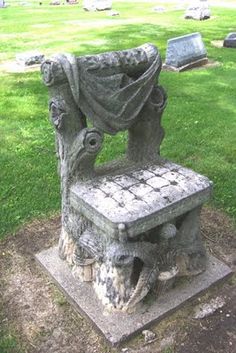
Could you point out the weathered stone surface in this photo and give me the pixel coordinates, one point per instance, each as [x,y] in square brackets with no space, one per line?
[2,3]
[185,50]
[55,3]
[159,191]
[30,58]
[149,336]
[206,309]
[132,225]
[230,40]
[159,9]
[117,326]
[198,10]
[72,2]
[113,13]
[97,5]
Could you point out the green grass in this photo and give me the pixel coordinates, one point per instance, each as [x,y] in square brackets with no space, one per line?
[9,343]
[200,119]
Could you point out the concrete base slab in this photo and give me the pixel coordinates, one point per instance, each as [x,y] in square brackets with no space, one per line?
[197,63]
[117,327]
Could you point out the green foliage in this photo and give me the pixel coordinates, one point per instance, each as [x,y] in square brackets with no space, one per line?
[9,344]
[200,119]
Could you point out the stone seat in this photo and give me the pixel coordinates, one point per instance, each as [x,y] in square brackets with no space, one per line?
[140,199]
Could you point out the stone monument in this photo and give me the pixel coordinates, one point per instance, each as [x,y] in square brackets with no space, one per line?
[131,227]
[30,58]
[230,40]
[198,10]
[185,52]
[97,5]
[2,4]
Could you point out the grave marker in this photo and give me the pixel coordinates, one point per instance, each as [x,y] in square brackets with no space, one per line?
[2,4]
[30,58]
[185,52]
[230,40]
[97,5]
[198,10]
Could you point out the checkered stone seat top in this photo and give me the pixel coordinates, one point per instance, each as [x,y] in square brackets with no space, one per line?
[155,193]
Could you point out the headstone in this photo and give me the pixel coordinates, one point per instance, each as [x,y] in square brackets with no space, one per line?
[131,226]
[97,5]
[159,9]
[185,52]
[55,3]
[198,10]
[102,5]
[89,5]
[112,13]
[2,4]
[30,58]
[72,2]
[230,40]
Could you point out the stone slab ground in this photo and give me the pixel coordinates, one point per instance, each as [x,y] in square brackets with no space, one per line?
[41,319]
[118,327]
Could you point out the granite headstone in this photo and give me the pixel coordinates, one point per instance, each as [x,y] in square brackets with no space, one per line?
[198,10]
[2,3]
[30,58]
[72,2]
[55,3]
[97,5]
[113,13]
[185,51]
[230,40]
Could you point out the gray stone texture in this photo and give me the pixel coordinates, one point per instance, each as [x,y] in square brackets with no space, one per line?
[30,58]
[142,198]
[185,50]
[230,40]
[113,13]
[117,326]
[55,3]
[132,225]
[97,5]
[198,10]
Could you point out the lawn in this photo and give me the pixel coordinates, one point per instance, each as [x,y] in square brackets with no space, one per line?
[200,119]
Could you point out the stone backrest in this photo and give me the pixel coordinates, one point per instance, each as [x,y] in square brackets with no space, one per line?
[115,91]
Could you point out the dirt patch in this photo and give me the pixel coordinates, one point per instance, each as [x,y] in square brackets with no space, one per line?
[44,322]
[219,234]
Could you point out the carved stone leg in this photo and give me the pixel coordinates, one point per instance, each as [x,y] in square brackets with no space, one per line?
[126,274]
[191,254]
[112,284]
[67,247]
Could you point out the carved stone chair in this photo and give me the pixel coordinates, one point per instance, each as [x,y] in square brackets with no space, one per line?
[131,225]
